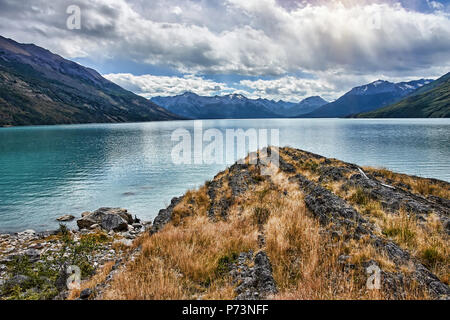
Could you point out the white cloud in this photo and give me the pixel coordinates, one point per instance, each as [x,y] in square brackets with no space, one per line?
[286,88]
[289,88]
[151,86]
[435,5]
[177,10]
[252,37]
[338,44]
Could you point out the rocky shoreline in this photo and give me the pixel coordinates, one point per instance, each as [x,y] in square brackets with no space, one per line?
[104,236]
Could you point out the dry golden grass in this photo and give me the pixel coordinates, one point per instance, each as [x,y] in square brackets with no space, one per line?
[150,279]
[98,278]
[401,227]
[304,231]
[307,168]
[305,259]
[184,260]
[423,186]
[428,242]
[195,202]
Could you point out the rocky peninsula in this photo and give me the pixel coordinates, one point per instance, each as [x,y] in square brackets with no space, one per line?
[314,228]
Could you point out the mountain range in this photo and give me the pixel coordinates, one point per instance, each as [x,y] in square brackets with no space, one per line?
[362,101]
[368,97]
[38,87]
[430,101]
[234,106]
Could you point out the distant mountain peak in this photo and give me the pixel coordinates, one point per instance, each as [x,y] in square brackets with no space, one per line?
[314,98]
[237,96]
[383,86]
[368,97]
[379,82]
[190,94]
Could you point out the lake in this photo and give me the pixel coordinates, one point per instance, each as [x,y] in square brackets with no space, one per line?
[49,171]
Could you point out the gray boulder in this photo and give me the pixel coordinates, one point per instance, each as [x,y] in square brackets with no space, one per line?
[255,282]
[164,216]
[108,219]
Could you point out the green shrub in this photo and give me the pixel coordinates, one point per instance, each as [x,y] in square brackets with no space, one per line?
[360,197]
[431,256]
[224,263]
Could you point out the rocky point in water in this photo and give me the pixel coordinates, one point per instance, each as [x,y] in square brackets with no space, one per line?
[309,228]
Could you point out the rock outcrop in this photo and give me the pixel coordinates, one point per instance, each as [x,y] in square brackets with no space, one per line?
[393,199]
[332,210]
[238,179]
[164,216]
[253,276]
[108,219]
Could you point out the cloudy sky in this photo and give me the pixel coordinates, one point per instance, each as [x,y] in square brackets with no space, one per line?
[277,49]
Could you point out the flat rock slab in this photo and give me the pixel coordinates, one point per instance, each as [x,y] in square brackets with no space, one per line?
[65,218]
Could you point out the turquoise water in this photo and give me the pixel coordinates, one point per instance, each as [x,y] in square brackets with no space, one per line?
[49,171]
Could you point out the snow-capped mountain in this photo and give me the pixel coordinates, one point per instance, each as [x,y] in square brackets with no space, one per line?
[382,86]
[429,101]
[368,97]
[236,106]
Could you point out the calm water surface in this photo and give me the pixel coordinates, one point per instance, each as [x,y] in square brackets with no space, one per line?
[49,171]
